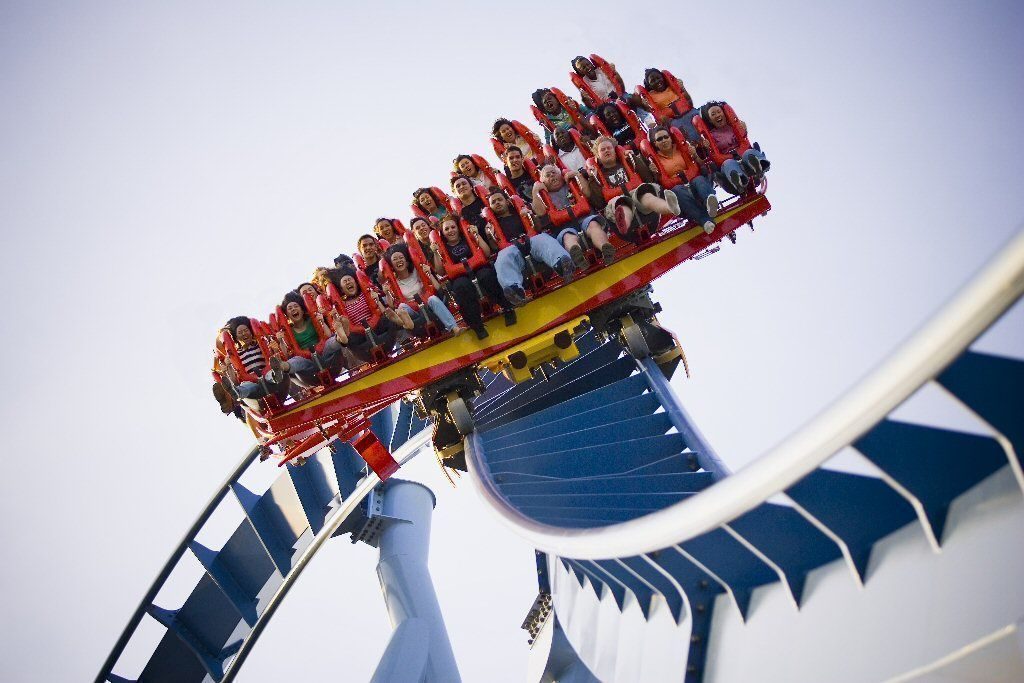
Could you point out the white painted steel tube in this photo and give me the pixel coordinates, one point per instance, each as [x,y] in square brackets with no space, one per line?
[936,344]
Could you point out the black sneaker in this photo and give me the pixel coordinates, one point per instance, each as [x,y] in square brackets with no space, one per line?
[565,269]
[510,317]
[516,295]
[608,253]
[576,252]
[481,331]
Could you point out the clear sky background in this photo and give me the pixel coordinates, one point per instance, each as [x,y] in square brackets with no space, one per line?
[164,166]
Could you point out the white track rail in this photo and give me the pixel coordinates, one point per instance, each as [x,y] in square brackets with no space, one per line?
[924,355]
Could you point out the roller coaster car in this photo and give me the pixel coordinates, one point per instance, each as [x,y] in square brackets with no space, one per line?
[441,198]
[691,169]
[590,98]
[531,139]
[441,373]
[680,106]
[630,118]
[568,104]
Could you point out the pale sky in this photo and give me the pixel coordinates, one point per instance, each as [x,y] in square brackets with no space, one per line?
[167,166]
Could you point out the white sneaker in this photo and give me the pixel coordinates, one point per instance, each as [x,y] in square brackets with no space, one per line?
[673,202]
[712,205]
[709,227]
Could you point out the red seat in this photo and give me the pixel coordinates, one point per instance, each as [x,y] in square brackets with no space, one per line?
[590,97]
[531,139]
[665,179]
[440,197]
[570,105]
[682,104]
[453,269]
[482,167]
[719,156]
[628,115]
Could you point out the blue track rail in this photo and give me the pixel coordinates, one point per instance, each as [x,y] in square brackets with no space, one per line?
[208,636]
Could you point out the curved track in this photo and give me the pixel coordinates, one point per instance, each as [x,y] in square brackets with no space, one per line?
[601,467]
[212,632]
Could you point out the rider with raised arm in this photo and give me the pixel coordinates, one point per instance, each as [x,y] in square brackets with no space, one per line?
[558,191]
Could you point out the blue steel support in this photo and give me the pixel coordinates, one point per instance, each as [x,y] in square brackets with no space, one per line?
[706,456]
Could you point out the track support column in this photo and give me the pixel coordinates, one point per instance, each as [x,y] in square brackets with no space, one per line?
[419,649]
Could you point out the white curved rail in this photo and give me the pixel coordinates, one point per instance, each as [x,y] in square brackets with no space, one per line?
[925,354]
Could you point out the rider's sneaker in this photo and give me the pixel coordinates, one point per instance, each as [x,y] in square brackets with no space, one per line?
[711,203]
[709,227]
[608,253]
[515,295]
[510,317]
[565,269]
[481,331]
[227,405]
[576,252]
[673,202]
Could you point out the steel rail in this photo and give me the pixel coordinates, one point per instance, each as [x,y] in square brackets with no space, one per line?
[920,358]
[172,562]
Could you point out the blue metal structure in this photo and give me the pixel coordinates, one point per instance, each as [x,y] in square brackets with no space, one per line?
[211,633]
[586,453]
[604,441]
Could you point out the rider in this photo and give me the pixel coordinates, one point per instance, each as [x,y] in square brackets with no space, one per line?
[466,166]
[569,153]
[567,233]
[646,199]
[516,172]
[680,106]
[385,230]
[510,261]
[461,286]
[411,285]
[369,249]
[508,135]
[695,191]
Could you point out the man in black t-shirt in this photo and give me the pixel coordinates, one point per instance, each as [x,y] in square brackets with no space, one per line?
[516,173]
[511,261]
